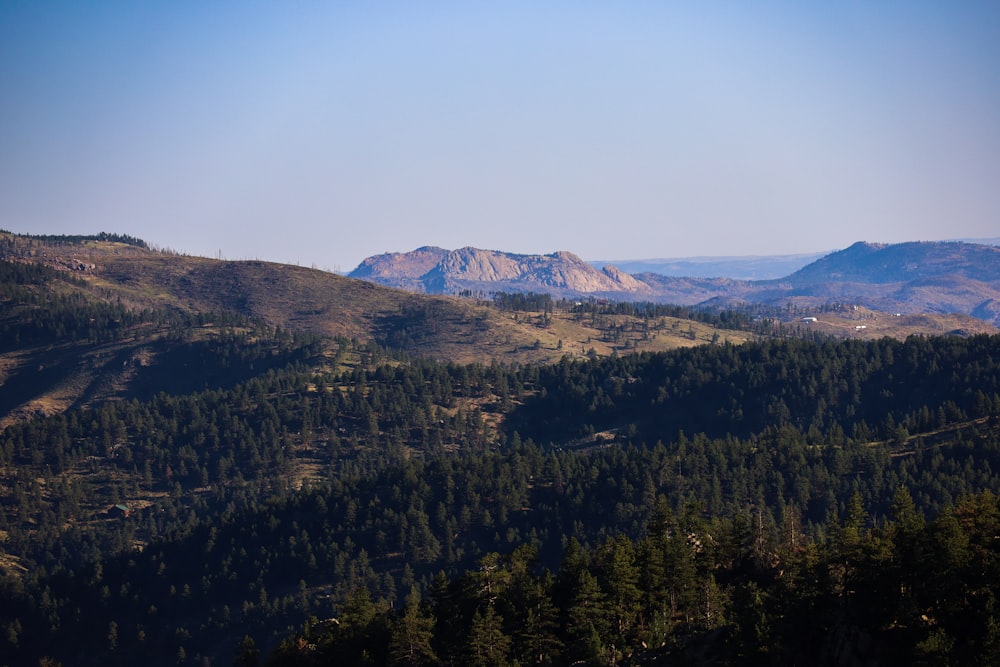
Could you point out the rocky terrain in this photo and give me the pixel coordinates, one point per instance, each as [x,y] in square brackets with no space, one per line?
[438,271]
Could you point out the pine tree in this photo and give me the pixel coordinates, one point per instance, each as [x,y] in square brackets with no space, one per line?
[487,644]
[620,578]
[410,642]
[587,618]
[247,654]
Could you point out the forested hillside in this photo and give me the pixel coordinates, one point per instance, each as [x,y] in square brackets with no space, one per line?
[724,503]
[194,469]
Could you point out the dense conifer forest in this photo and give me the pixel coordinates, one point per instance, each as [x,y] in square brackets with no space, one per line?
[280,498]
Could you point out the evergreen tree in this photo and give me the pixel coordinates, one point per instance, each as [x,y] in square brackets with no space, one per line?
[410,643]
[487,644]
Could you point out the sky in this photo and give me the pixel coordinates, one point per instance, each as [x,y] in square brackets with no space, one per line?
[320,133]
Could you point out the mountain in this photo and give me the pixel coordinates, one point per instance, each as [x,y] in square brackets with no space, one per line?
[766,267]
[879,264]
[438,271]
[917,277]
[750,267]
[947,277]
[402,270]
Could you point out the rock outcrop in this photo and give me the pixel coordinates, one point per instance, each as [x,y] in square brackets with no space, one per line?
[450,272]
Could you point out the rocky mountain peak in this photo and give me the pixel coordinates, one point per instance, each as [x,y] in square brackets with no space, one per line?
[625,279]
[400,265]
[561,273]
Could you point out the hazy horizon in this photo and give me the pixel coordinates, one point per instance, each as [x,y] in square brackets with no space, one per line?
[321,135]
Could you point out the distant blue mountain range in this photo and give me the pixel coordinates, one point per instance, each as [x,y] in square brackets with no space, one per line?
[747,267]
[768,267]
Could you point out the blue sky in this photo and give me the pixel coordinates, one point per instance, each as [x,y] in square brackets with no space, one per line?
[323,132]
